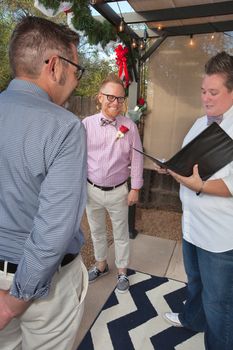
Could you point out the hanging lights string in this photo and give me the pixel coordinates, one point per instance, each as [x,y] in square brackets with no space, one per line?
[121,26]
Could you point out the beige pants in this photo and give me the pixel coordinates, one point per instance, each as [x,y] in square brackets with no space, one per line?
[116,203]
[51,323]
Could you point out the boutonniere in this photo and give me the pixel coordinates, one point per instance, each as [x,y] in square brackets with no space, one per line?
[121,132]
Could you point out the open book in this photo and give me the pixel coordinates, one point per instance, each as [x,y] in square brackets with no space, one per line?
[212,149]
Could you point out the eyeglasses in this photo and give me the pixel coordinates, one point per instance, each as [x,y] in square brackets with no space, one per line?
[80,70]
[112,98]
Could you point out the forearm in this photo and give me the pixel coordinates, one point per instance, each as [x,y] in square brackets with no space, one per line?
[215,188]
[211,187]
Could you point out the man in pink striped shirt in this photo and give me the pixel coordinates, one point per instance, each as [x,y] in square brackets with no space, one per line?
[111,160]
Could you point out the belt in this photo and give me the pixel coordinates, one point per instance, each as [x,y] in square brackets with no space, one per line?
[103,188]
[11,268]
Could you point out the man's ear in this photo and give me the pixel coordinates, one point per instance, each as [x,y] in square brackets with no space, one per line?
[99,98]
[54,68]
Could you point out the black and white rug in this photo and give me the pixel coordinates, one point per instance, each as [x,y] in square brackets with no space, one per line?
[133,320]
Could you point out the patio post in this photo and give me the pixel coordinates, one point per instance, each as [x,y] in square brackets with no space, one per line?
[132,101]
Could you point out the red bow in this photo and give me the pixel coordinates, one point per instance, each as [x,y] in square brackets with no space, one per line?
[121,61]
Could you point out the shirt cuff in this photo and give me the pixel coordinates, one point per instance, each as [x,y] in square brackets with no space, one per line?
[137,184]
[16,292]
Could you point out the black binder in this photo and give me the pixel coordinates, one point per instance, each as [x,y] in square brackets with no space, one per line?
[212,149]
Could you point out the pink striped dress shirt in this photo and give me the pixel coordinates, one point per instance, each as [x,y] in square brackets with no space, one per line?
[111,161]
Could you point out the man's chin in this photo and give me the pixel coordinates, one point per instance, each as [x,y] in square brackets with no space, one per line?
[113,114]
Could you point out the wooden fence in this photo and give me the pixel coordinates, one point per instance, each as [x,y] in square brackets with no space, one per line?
[82,106]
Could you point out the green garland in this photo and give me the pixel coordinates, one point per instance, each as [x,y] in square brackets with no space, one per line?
[97,32]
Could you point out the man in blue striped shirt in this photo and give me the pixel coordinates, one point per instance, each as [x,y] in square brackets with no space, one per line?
[42,191]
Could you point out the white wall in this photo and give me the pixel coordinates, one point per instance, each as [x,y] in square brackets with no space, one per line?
[175,72]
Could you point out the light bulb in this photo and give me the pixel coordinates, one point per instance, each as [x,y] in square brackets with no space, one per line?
[191,42]
[94,2]
[142,45]
[134,43]
[121,27]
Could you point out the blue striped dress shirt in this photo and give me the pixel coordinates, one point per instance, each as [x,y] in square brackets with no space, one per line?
[42,186]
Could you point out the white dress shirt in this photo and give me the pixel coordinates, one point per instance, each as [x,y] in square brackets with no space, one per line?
[207,219]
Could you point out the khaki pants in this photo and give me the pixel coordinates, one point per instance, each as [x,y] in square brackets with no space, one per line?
[50,323]
[116,203]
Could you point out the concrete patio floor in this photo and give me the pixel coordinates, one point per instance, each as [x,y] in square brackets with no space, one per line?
[152,255]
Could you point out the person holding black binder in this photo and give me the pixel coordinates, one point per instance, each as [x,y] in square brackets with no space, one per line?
[207,221]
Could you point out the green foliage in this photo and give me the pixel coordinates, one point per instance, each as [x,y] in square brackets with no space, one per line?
[96,31]
[51,4]
[6,25]
[96,71]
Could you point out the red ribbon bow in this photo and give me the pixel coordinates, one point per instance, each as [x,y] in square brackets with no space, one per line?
[121,61]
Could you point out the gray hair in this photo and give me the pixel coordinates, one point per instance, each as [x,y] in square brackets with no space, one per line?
[32,39]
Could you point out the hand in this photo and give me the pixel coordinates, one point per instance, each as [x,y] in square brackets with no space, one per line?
[133,197]
[193,182]
[10,307]
[160,170]
[5,313]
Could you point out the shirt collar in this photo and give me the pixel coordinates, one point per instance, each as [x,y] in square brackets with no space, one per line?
[228,113]
[27,86]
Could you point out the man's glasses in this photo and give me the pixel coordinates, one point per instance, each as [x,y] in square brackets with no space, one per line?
[80,70]
[112,98]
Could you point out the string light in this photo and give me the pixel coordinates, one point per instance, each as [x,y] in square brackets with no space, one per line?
[191,41]
[212,36]
[134,43]
[94,2]
[121,26]
[142,45]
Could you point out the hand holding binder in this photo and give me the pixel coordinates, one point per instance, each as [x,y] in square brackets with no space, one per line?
[212,149]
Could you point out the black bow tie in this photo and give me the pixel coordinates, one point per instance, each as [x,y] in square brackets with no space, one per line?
[104,121]
[211,120]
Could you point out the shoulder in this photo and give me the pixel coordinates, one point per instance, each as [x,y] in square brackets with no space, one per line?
[126,121]
[61,118]
[90,119]
[198,126]
[122,120]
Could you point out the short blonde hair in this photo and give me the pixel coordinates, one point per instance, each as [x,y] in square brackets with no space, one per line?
[112,78]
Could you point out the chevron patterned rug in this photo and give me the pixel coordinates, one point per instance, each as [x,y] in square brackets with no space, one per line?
[133,321]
